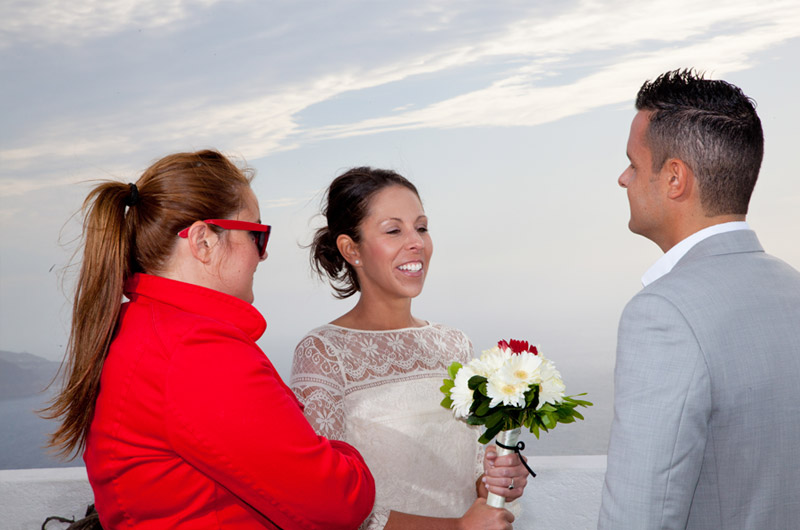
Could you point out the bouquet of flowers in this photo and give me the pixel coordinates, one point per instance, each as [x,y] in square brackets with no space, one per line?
[510,386]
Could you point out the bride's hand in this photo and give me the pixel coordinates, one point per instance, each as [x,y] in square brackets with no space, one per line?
[480,516]
[499,471]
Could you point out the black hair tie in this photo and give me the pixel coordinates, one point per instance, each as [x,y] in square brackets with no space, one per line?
[517,448]
[133,197]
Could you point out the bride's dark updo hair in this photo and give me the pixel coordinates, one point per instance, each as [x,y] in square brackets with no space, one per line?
[346,205]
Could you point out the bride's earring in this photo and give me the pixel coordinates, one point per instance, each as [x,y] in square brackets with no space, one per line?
[357,262]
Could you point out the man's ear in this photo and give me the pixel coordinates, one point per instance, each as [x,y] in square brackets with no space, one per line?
[680,179]
[348,249]
[202,241]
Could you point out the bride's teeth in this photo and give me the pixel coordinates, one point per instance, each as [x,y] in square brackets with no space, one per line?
[410,267]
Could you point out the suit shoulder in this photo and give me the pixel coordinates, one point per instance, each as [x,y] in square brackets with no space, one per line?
[728,272]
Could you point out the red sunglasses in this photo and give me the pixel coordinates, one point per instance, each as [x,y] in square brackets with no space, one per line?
[259,232]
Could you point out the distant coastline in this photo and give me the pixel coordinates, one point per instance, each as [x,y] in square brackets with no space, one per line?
[23,380]
[24,374]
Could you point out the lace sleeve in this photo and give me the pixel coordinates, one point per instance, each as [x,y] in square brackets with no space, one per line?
[480,451]
[377,519]
[318,382]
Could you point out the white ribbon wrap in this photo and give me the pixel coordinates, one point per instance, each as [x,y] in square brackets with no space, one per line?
[508,438]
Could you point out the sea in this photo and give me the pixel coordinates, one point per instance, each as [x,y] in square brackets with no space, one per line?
[24,434]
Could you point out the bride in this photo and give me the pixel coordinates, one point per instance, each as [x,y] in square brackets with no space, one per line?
[372,376]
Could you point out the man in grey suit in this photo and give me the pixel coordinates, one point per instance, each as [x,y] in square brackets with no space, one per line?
[706,431]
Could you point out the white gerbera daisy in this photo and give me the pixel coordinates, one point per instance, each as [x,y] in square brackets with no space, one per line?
[505,391]
[461,393]
[552,388]
[523,368]
[490,362]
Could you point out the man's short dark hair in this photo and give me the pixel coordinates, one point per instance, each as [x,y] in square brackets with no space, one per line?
[712,127]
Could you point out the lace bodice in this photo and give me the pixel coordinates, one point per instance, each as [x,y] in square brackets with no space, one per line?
[379,391]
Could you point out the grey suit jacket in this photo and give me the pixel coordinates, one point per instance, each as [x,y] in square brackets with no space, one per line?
[706,430]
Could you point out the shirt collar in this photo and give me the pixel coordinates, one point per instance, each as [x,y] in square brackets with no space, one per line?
[198,300]
[666,262]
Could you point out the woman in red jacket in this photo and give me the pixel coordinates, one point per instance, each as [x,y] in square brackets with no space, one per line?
[183,421]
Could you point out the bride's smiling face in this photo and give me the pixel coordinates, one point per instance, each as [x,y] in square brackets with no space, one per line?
[394,248]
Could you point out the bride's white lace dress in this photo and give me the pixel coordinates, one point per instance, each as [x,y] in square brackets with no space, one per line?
[379,391]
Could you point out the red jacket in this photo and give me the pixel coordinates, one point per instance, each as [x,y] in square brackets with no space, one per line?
[194,428]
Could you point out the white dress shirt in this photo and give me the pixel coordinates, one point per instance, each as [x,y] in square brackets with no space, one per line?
[666,262]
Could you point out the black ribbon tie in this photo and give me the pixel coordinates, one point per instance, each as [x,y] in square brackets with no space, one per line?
[517,448]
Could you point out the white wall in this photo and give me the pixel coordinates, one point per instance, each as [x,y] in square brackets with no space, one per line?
[29,496]
[564,496]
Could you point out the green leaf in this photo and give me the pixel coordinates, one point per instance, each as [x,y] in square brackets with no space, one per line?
[535,402]
[447,387]
[447,402]
[504,417]
[492,432]
[494,419]
[453,369]
[535,430]
[483,408]
[475,420]
[531,394]
[578,402]
[529,421]
[475,381]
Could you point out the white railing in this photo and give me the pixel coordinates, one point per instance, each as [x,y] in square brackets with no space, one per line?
[564,496]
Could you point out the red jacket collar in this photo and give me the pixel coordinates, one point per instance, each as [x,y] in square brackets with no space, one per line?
[199,300]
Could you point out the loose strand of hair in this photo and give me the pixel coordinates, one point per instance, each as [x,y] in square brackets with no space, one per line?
[96,307]
[328,263]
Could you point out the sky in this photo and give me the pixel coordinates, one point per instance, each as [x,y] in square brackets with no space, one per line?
[511,117]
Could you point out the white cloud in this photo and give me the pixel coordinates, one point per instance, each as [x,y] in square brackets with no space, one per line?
[284,202]
[54,177]
[520,101]
[602,51]
[70,22]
